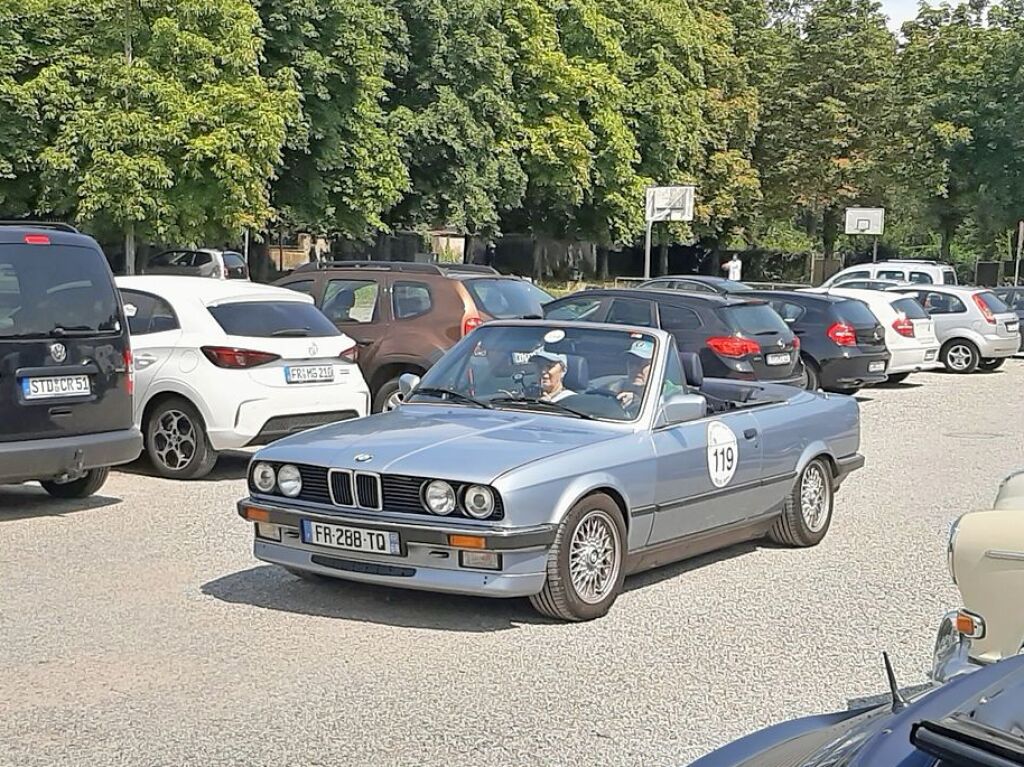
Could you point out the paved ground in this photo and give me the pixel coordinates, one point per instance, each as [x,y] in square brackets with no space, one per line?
[138,630]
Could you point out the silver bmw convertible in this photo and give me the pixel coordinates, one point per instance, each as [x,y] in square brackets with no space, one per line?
[550,460]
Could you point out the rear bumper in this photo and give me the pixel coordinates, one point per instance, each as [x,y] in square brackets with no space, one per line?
[847,372]
[846,466]
[992,347]
[914,359]
[427,561]
[263,420]
[67,456]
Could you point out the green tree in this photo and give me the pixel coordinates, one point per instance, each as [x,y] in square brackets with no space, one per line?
[163,125]
[343,168]
[826,130]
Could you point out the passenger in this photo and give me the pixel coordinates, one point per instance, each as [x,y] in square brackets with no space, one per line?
[638,370]
[551,369]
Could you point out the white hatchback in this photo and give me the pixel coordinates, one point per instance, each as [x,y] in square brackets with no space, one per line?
[231,364]
[909,331]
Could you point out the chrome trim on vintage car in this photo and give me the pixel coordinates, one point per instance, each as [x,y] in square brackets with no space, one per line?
[1011,556]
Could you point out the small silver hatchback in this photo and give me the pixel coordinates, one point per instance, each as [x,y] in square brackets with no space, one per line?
[976,329]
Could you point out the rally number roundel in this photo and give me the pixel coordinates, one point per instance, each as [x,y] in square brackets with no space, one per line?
[723,453]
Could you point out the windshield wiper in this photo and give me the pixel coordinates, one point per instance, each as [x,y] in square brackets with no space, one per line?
[437,391]
[543,402]
[291,332]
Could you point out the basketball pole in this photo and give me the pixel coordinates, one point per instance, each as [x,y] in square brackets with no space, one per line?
[647,250]
[874,251]
[1020,249]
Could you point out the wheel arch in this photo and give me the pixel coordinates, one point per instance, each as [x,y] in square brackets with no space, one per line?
[814,450]
[154,400]
[391,369]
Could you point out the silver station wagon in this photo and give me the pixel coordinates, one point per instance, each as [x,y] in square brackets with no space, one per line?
[550,460]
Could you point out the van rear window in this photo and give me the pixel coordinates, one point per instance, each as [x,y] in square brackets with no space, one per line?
[49,290]
[273,319]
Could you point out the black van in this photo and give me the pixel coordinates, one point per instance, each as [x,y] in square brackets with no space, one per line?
[66,375]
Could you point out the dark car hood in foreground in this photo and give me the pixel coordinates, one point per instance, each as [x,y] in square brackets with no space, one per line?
[448,442]
[875,736]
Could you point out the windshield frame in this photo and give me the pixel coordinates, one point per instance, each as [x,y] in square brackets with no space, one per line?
[648,405]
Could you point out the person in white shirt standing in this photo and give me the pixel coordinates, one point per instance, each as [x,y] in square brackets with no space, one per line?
[734,268]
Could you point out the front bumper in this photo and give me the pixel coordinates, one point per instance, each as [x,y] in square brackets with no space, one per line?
[952,654]
[60,457]
[853,371]
[427,560]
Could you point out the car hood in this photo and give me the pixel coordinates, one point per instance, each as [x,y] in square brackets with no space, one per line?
[878,736]
[448,442]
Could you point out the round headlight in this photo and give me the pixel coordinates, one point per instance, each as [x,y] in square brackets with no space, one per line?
[439,497]
[264,478]
[479,501]
[289,480]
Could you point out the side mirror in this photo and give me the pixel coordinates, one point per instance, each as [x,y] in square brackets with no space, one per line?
[681,408]
[407,382]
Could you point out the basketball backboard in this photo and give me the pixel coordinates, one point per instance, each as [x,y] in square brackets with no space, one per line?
[865,221]
[670,203]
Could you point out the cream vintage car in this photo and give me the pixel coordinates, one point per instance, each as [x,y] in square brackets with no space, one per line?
[986,560]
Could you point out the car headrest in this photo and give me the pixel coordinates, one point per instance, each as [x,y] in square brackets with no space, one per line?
[692,369]
[577,373]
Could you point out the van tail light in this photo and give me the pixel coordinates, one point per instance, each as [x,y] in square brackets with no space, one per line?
[351,354]
[129,367]
[471,323]
[227,357]
[37,239]
[843,334]
[903,326]
[733,346]
[983,308]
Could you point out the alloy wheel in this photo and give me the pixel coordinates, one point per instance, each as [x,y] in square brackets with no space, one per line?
[594,557]
[393,401]
[959,357]
[814,497]
[174,440]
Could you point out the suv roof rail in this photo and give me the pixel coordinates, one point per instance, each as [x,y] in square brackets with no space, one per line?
[29,224]
[397,266]
[911,261]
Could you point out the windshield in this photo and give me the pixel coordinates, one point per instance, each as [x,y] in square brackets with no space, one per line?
[573,372]
[268,319]
[508,299]
[47,290]
[754,319]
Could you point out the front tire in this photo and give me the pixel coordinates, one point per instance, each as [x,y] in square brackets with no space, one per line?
[388,397]
[176,441]
[586,563]
[960,356]
[807,513]
[82,487]
[993,364]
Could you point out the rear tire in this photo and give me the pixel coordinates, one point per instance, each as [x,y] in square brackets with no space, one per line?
[388,396]
[807,512]
[176,441]
[812,379]
[993,364]
[586,562]
[82,487]
[960,356]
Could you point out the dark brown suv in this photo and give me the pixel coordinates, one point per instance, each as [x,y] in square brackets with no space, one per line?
[404,316]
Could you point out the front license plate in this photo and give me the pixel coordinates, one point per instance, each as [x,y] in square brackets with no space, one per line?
[350,538]
[929,355]
[782,358]
[53,387]
[309,374]
[876,367]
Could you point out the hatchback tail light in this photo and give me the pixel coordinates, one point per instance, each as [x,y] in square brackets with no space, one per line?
[796,342]
[733,346]
[227,357]
[129,367]
[843,334]
[983,308]
[351,354]
[903,326]
[471,323]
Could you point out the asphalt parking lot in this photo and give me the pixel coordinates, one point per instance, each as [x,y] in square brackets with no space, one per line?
[136,628]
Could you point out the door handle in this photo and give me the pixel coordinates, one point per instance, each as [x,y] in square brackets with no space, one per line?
[750,433]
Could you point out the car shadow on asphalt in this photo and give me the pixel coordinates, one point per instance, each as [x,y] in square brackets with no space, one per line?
[273,588]
[231,464]
[903,386]
[675,569]
[30,502]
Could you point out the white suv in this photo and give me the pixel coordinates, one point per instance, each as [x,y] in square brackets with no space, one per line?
[231,364]
[910,270]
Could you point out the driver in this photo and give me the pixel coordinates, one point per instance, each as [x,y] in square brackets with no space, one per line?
[638,369]
[551,368]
